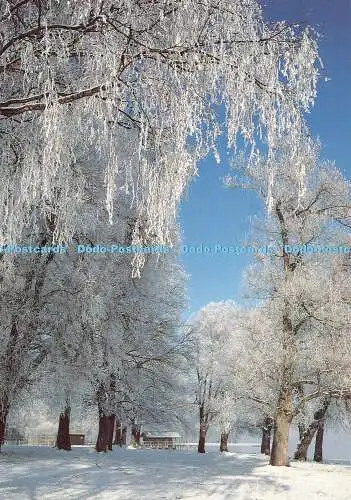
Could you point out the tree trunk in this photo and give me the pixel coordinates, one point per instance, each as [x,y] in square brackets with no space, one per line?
[301,425]
[104,439]
[3,418]
[302,449]
[202,439]
[118,434]
[284,411]
[318,448]
[110,430]
[302,430]
[103,435]
[224,442]
[266,436]
[124,436]
[135,434]
[279,453]
[63,440]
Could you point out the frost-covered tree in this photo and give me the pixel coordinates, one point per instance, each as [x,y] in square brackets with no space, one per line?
[235,387]
[321,362]
[134,328]
[329,357]
[212,334]
[139,81]
[24,340]
[85,313]
[254,381]
[299,287]
[286,359]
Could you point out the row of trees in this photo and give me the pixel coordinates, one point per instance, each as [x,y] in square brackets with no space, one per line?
[105,108]
[285,359]
[83,332]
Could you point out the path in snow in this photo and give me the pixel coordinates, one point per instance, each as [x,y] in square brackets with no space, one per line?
[41,473]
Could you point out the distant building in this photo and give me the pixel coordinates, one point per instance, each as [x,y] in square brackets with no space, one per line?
[45,440]
[161,440]
[77,439]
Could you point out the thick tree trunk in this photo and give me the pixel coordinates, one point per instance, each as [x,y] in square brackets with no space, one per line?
[318,448]
[118,434]
[279,453]
[110,431]
[202,439]
[224,442]
[284,411]
[266,436]
[63,440]
[103,435]
[3,418]
[302,449]
[2,430]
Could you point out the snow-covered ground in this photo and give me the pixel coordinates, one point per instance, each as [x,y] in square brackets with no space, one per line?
[45,473]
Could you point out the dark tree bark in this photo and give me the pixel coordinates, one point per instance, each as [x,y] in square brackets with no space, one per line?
[318,449]
[3,419]
[103,435]
[63,440]
[112,416]
[202,439]
[302,448]
[106,421]
[110,431]
[266,436]
[2,429]
[224,442]
[10,369]
[283,417]
[124,436]
[118,435]
[203,418]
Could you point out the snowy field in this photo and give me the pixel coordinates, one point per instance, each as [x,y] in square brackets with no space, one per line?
[45,473]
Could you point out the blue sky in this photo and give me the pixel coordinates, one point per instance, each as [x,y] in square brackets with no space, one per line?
[211,214]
